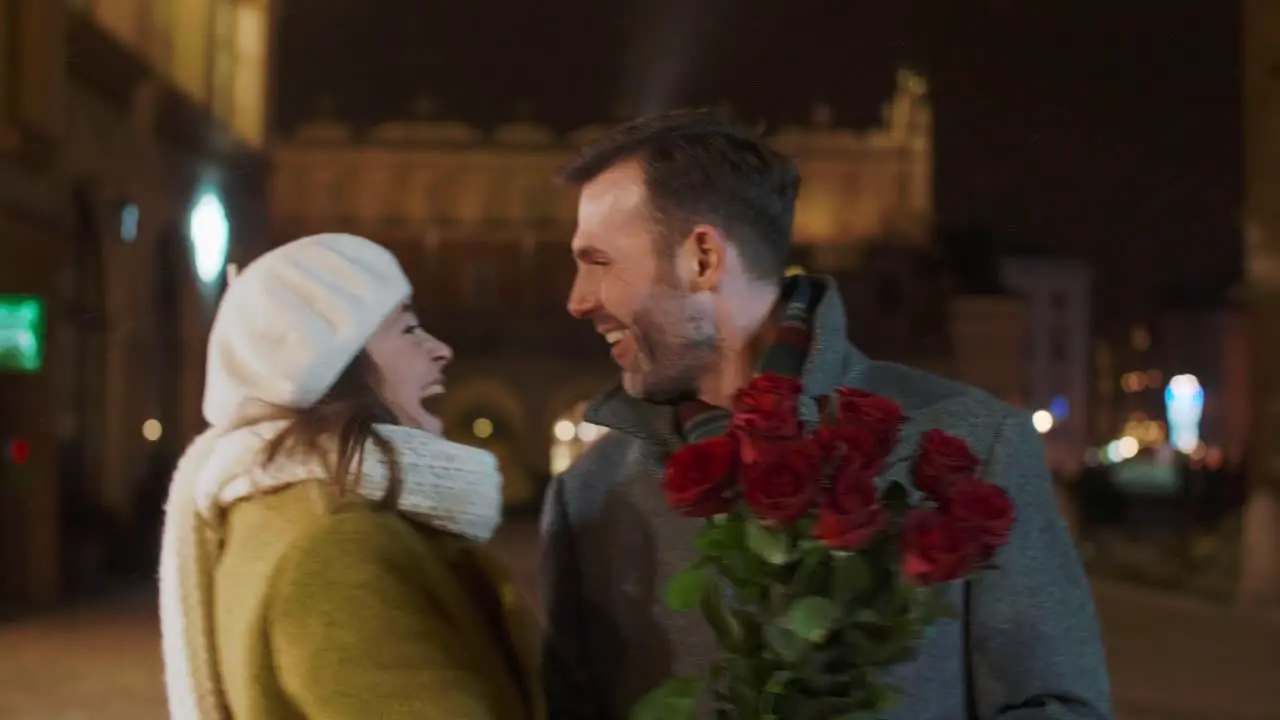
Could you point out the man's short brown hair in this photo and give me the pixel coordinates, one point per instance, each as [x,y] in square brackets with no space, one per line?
[701,168]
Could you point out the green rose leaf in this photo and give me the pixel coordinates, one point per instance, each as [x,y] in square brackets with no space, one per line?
[851,576]
[743,687]
[778,681]
[885,696]
[903,654]
[799,707]
[676,699]
[867,616]
[724,624]
[789,646]
[898,599]
[860,641]
[772,546]
[934,605]
[710,541]
[686,588]
[812,618]
[809,577]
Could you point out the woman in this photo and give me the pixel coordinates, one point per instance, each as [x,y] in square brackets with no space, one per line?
[320,551]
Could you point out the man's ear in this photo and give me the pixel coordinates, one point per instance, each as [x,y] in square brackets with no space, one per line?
[707,254]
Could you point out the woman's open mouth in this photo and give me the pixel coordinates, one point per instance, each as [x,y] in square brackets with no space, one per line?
[432,404]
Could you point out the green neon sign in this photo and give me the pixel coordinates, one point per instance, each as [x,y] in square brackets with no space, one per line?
[22,324]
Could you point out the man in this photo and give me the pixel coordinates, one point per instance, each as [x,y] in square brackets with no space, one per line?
[683,232]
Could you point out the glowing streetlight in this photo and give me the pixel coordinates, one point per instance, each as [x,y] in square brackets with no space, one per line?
[209,232]
[564,430]
[1042,420]
[152,430]
[587,432]
[1184,406]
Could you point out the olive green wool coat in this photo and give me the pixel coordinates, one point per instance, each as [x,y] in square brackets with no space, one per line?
[332,610]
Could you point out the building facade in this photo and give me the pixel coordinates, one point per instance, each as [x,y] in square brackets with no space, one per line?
[1057,294]
[483,231]
[134,193]
[216,52]
[1260,562]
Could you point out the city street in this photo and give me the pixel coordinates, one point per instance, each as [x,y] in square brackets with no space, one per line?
[1170,659]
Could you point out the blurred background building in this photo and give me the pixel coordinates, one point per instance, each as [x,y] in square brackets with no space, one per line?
[131,172]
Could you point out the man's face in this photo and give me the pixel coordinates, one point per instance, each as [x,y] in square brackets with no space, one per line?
[662,336]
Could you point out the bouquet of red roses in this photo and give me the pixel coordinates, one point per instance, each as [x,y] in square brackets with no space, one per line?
[812,578]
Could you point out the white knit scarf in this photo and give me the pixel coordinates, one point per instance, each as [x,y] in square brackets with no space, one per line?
[447,485]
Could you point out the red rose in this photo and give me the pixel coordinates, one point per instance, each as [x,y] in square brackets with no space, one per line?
[850,516]
[879,416]
[698,477]
[982,510]
[935,549]
[842,444]
[943,460]
[782,484]
[767,407]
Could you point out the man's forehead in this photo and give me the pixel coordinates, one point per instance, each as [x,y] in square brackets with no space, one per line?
[615,196]
[616,190]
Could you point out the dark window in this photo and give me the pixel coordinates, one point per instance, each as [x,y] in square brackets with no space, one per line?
[1058,346]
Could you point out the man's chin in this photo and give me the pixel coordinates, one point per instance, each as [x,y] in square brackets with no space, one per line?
[644,388]
[633,385]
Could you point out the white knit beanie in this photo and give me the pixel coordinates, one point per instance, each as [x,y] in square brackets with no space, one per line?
[294,319]
[287,327]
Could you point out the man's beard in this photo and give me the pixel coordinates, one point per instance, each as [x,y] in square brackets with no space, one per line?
[676,346]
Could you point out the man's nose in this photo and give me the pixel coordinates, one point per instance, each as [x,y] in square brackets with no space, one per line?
[583,301]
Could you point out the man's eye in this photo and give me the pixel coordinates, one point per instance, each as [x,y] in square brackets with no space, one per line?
[412,329]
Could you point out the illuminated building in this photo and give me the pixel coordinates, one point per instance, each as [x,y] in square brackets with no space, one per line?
[483,231]
[214,51]
[130,176]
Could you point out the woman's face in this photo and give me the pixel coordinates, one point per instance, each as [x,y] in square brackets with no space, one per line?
[410,364]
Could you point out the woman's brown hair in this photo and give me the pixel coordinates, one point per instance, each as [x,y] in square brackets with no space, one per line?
[342,420]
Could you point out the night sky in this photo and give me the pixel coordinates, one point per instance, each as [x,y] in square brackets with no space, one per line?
[1061,125]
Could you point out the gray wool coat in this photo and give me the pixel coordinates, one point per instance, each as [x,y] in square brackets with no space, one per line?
[1026,645]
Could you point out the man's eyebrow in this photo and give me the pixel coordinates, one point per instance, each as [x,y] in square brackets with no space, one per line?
[589,252]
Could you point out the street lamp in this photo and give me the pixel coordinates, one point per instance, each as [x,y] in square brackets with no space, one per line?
[1184,405]
[209,232]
